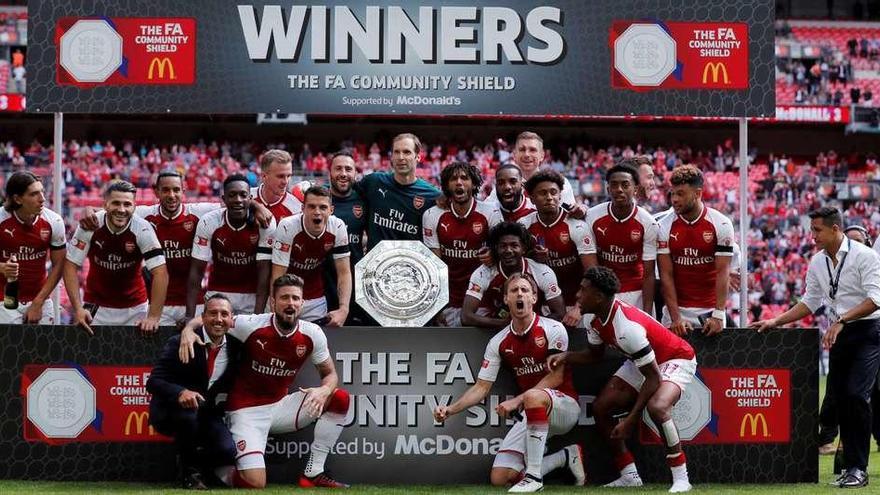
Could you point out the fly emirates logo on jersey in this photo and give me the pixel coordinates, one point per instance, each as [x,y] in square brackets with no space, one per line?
[692,257]
[114,262]
[617,254]
[459,249]
[237,257]
[174,251]
[529,366]
[395,221]
[276,367]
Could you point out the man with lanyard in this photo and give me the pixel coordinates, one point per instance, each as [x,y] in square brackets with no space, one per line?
[846,275]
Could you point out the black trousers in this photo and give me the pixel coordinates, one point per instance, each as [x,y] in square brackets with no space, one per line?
[191,430]
[853,365]
[828,422]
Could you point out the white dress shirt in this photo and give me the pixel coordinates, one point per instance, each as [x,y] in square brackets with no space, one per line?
[220,362]
[857,275]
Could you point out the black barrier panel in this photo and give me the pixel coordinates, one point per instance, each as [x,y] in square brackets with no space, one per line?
[395,376]
[556,57]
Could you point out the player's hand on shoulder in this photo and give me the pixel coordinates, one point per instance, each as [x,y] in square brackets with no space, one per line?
[572,317]
[89,220]
[262,215]
[188,340]
[578,212]
[540,254]
[485,256]
[556,360]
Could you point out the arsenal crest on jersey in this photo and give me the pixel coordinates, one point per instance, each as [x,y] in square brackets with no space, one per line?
[189,225]
[564,237]
[635,235]
[301,350]
[357,211]
[707,236]
[255,238]
[540,341]
[129,246]
[44,234]
[478,228]
[418,202]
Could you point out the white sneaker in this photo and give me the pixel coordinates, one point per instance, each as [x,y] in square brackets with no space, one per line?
[680,486]
[574,459]
[528,484]
[630,479]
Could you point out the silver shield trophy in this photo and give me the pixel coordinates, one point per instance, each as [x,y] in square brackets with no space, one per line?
[401,284]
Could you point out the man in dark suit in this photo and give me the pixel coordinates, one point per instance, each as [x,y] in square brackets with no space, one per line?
[184,404]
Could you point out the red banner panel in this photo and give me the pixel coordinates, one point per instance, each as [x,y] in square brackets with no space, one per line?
[650,55]
[747,406]
[812,114]
[87,404]
[125,51]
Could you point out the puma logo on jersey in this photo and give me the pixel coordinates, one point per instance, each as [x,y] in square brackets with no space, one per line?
[445,227]
[601,230]
[298,247]
[10,232]
[381,191]
[100,244]
[673,236]
[508,351]
[221,241]
[262,344]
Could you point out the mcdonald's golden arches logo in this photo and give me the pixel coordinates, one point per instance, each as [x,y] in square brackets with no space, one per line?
[139,419]
[716,68]
[165,63]
[753,420]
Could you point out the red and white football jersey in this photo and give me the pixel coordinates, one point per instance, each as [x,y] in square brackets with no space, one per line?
[693,247]
[30,243]
[269,360]
[459,239]
[527,354]
[638,336]
[114,279]
[176,235]
[233,252]
[623,244]
[487,281]
[283,208]
[566,241]
[525,208]
[304,254]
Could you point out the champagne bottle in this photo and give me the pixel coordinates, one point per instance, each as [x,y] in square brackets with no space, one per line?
[10,295]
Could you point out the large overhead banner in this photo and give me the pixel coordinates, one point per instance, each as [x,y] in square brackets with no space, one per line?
[443,57]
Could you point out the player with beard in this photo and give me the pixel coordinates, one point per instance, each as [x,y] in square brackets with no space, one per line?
[115,292]
[560,241]
[237,248]
[350,207]
[694,249]
[547,398]
[483,302]
[276,169]
[512,203]
[458,234]
[624,238]
[528,155]
[32,235]
[398,199]
[274,348]
[302,244]
[658,368]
